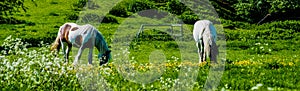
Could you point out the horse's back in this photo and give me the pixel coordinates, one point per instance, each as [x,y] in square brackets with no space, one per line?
[201,28]
[81,34]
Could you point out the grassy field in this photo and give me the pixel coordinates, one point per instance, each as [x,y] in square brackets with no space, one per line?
[262,57]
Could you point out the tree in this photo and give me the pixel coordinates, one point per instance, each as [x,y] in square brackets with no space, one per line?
[254,10]
[11,6]
[8,7]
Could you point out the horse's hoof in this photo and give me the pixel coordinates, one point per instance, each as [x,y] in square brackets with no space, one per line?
[90,65]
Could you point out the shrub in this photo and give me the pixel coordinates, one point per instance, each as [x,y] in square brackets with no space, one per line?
[285,30]
[288,24]
[119,10]
[10,20]
[79,5]
[34,69]
[176,7]
[13,46]
[126,7]
[188,18]
[140,5]
[72,16]
[110,19]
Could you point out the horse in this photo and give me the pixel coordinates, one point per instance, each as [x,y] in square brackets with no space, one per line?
[81,36]
[205,36]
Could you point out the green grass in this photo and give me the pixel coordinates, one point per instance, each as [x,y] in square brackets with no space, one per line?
[269,60]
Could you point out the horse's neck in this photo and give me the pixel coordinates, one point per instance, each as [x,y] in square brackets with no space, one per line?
[100,43]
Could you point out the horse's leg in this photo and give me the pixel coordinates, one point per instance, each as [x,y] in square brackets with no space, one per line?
[214,53]
[69,48]
[203,51]
[207,50]
[199,51]
[80,50]
[57,49]
[63,49]
[90,55]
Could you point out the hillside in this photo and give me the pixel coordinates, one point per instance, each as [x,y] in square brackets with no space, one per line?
[252,56]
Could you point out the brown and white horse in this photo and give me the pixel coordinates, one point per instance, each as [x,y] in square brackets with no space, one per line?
[81,36]
[205,36]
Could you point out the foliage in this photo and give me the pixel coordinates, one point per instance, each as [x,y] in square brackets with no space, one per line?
[38,69]
[119,10]
[110,19]
[258,57]
[34,69]
[139,5]
[175,7]
[78,6]
[11,6]
[189,18]
[250,11]
[127,7]
[253,11]
[13,46]
[10,20]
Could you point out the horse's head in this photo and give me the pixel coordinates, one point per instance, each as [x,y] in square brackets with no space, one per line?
[103,58]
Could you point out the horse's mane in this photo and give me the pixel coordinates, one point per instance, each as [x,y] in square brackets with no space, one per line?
[101,43]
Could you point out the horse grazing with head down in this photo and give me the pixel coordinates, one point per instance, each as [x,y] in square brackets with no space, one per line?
[81,36]
[205,36]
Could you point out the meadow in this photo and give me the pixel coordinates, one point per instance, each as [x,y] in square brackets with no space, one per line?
[252,57]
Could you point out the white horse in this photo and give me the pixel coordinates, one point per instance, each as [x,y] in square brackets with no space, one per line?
[81,36]
[205,36]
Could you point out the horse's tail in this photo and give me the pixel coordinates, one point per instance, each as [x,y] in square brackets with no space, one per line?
[56,44]
[62,32]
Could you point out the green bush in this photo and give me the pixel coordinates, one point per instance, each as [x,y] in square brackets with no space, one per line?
[252,11]
[127,7]
[119,10]
[72,16]
[140,5]
[10,20]
[285,30]
[24,69]
[236,24]
[109,19]
[78,6]
[176,7]
[188,18]
[288,24]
